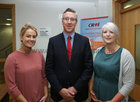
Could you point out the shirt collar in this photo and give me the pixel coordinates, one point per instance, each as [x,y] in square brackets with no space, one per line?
[66,36]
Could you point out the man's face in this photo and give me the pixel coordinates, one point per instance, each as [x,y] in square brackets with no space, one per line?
[69,22]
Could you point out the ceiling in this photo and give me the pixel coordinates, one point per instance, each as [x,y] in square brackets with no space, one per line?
[69,0]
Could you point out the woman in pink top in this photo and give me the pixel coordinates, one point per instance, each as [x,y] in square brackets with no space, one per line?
[25,70]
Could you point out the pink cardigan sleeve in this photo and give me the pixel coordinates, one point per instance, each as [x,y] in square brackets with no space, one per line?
[45,81]
[9,72]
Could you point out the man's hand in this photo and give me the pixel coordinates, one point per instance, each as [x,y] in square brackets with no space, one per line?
[72,90]
[66,94]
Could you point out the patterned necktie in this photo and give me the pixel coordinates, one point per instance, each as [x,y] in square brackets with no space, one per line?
[69,48]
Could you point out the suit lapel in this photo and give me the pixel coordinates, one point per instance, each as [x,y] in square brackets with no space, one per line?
[64,49]
[75,45]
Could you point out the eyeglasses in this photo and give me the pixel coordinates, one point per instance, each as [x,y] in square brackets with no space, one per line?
[71,19]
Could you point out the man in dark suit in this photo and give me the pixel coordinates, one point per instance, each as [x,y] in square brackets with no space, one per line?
[69,63]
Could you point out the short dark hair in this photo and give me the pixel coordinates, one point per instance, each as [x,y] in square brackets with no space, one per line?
[70,10]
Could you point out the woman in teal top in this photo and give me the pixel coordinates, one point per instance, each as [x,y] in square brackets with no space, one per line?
[106,68]
[111,80]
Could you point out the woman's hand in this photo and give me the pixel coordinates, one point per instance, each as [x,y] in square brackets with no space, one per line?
[43,99]
[93,97]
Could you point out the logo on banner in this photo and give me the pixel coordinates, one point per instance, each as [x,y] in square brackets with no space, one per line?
[94,25]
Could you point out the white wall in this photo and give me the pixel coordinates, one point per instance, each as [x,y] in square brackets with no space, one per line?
[45,13]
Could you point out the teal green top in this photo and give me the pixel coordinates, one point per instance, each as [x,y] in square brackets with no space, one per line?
[106,69]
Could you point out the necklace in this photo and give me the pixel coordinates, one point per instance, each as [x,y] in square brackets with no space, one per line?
[112,49]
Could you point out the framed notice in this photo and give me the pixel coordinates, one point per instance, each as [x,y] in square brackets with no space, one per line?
[44,31]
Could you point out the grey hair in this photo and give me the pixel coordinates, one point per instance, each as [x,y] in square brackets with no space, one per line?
[112,27]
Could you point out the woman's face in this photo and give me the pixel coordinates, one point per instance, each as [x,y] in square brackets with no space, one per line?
[29,38]
[109,36]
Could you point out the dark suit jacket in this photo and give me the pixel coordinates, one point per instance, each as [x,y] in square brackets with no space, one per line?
[62,74]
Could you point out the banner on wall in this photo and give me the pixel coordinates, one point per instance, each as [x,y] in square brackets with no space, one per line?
[91,28]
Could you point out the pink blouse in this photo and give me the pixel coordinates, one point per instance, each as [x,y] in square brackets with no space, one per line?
[25,74]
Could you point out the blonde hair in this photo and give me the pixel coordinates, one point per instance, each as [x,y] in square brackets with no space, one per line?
[26,27]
